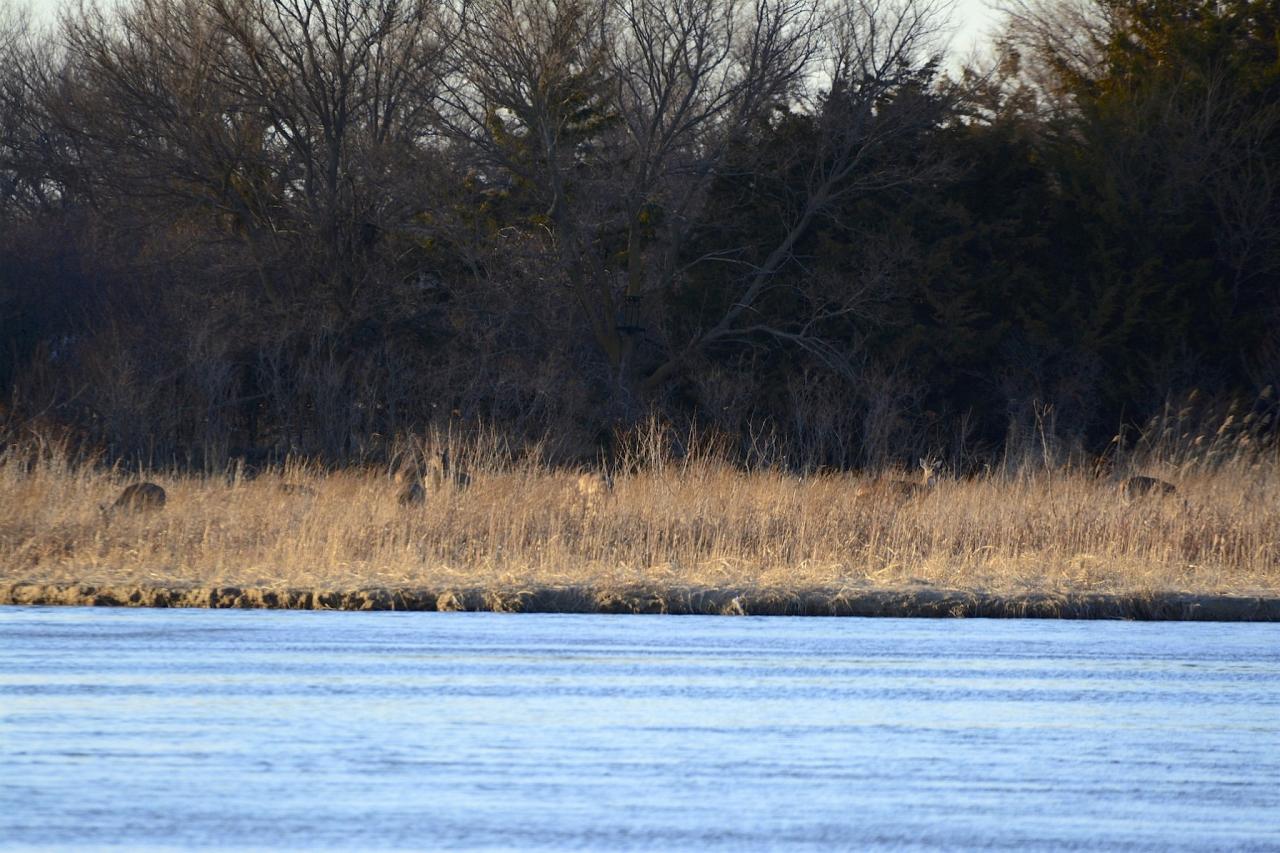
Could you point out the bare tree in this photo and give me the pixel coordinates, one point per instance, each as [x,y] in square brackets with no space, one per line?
[527,86]
[878,57]
[613,116]
[137,97]
[28,150]
[280,122]
[1053,41]
[341,90]
[691,81]
[13,31]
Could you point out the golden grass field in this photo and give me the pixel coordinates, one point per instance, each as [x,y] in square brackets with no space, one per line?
[694,523]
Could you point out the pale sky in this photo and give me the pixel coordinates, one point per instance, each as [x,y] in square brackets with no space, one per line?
[972,16]
[973,20]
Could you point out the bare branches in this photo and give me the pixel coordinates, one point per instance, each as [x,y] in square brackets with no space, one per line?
[1056,41]
[614,117]
[878,61]
[337,79]
[690,75]
[20,184]
[595,131]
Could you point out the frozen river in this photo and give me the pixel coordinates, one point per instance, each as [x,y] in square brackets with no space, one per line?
[158,729]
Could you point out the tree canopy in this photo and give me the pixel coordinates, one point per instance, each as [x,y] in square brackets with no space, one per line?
[238,227]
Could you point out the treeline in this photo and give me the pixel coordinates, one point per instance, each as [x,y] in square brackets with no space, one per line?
[254,227]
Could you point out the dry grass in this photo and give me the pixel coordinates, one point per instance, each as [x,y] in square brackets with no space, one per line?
[698,523]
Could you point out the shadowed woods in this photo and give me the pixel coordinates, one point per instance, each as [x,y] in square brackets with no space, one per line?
[262,229]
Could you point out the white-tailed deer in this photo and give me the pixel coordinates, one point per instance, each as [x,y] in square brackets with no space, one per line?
[138,497]
[592,486]
[903,489]
[1136,487]
[413,492]
[1131,487]
[434,475]
[455,475]
[413,489]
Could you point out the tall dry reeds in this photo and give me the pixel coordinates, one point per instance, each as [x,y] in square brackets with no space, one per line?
[673,519]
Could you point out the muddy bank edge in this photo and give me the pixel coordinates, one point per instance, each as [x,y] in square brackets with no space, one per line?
[922,602]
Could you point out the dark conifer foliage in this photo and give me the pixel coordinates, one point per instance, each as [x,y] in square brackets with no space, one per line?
[248,228]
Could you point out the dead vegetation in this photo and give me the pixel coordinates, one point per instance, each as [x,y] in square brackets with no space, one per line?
[670,523]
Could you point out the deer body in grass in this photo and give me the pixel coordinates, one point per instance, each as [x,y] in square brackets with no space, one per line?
[903,489]
[137,498]
[592,488]
[436,474]
[1136,487]
[1132,487]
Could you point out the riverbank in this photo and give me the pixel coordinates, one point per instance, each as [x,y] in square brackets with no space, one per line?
[697,536]
[927,602]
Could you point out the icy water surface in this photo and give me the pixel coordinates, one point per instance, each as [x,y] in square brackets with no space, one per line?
[150,729]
